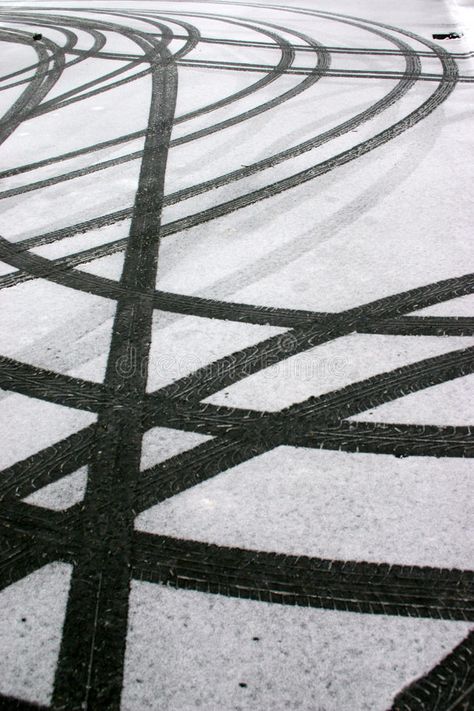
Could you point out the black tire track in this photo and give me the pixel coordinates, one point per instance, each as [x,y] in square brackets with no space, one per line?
[48,465]
[450,685]
[37,88]
[90,667]
[194,33]
[315,171]
[272,74]
[85,533]
[93,51]
[290,580]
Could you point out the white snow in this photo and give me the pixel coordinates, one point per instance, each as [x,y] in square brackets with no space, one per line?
[61,494]
[462,306]
[192,342]
[395,219]
[51,326]
[450,403]
[336,505]
[162,443]
[31,617]
[109,267]
[331,366]
[190,650]
[29,425]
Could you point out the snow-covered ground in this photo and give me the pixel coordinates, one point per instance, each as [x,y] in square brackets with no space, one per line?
[236,355]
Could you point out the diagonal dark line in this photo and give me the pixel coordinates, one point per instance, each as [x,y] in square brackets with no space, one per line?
[421,326]
[8,703]
[243,436]
[48,465]
[89,673]
[369,393]
[19,556]
[241,364]
[214,420]
[57,388]
[234,367]
[361,395]
[41,83]
[418,298]
[447,687]
[299,423]
[138,308]
[195,466]
[79,93]
[412,65]
[400,440]
[40,525]
[237,366]
[299,580]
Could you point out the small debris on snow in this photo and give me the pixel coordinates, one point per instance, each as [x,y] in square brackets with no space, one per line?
[448,35]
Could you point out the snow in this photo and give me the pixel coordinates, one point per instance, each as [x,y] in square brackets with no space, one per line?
[192,342]
[189,650]
[53,327]
[423,407]
[162,443]
[462,306]
[334,505]
[331,366]
[32,614]
[391,220]
[62,494]
[42,423]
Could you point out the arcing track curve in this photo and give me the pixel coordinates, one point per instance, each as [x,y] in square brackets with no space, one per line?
[97,536]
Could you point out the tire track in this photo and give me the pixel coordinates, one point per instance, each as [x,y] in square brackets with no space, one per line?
[86,535]
[90,667]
